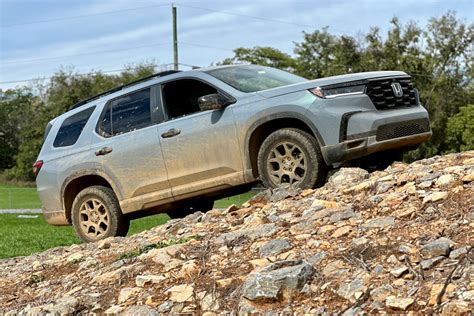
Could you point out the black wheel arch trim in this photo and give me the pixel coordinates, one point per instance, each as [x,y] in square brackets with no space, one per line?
[276,116]
[84,173]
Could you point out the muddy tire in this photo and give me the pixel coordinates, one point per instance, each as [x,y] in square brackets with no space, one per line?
[200,205]
[291,156]
[96,214]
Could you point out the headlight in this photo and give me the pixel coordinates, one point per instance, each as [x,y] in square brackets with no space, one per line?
[337,91]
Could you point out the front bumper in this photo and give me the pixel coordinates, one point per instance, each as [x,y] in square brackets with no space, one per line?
[356,148]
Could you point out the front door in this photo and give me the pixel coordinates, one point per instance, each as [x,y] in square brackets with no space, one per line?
[200,148]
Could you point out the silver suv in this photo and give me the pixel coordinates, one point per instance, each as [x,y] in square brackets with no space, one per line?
[176,141]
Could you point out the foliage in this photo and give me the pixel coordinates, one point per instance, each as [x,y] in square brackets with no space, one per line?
[265,56]
[26,115]
[16,109]
[460,129]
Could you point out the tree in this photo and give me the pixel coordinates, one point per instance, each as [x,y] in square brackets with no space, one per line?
[322,54]
[265,56]
[65,89]
[15,112]
[439,59]
[460,129]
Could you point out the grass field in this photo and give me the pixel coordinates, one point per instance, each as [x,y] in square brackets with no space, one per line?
[15,197]
[24,236]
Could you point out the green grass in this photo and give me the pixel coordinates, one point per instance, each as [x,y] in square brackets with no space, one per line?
[236,199]
[24,236]
[15,197]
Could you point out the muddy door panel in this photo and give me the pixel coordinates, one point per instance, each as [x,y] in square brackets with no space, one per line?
[135,162]
[201,152]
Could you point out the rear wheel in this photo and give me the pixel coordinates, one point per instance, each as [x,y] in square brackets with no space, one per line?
[96,214]
[291,156]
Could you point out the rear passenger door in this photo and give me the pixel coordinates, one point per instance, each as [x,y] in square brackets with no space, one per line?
[128,148]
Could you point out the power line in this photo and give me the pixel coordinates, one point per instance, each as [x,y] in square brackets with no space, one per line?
[178,4]
[81,74]
[83,54]
[206,46]
[259,18]
[8,62]
[83,16]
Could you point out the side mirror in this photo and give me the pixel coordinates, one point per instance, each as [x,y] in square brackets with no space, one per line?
[215,101]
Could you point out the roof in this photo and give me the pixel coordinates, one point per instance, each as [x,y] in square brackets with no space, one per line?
[157,75]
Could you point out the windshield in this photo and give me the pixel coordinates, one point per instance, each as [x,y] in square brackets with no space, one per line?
[251,78]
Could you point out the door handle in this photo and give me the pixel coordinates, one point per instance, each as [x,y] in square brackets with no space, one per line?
[103,151]
[170,133]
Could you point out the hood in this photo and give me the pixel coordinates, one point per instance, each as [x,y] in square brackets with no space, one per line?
[328,81]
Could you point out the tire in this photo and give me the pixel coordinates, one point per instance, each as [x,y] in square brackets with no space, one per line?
[291,156]
[199,205]
[96,214]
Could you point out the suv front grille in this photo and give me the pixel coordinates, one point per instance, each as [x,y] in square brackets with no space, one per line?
[401,129]
[382,95]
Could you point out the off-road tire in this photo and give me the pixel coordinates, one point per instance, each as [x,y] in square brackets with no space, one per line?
[117,223]
[198,205]
[304,145]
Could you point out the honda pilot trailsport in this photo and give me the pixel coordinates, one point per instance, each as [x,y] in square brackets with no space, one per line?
[176,141]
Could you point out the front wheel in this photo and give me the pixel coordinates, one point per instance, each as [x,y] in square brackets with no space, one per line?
[96,214]
[291,156]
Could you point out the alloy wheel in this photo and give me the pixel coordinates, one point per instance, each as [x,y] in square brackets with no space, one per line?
[94,218]
[287,164]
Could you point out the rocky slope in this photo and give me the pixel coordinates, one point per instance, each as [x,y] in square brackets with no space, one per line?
[393,240]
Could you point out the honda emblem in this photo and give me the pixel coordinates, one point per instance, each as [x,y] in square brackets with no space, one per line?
[397,89]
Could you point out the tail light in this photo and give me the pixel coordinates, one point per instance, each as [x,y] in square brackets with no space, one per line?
[37,167]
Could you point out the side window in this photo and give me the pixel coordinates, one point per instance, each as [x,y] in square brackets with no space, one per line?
[127,113]
[180,97]
[71,128]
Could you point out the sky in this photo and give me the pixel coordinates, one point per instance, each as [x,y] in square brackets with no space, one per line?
[39,37]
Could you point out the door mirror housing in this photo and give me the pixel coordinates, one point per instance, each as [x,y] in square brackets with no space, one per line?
[214,101]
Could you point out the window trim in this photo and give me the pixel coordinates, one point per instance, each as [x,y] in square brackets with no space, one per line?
[56,133]
[102,134]
[162,103]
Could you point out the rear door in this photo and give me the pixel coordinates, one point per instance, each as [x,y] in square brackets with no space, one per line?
[128,148]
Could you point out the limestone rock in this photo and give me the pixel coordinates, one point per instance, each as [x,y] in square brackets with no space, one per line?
[398,303]
[181,293]
[277,281]
[438,247]
[128,292]
[274,247]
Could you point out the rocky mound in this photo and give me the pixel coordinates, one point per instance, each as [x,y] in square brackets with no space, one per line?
[393,240]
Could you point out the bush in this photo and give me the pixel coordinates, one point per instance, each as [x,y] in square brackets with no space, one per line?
[460,130]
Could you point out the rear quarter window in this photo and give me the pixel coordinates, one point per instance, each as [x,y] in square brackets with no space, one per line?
[125,114]
[71,128]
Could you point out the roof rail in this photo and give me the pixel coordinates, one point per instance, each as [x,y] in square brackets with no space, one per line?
[157,75]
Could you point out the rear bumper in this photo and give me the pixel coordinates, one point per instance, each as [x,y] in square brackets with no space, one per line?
[356,148]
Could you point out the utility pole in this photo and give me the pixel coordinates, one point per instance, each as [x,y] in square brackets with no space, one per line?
[175,38]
